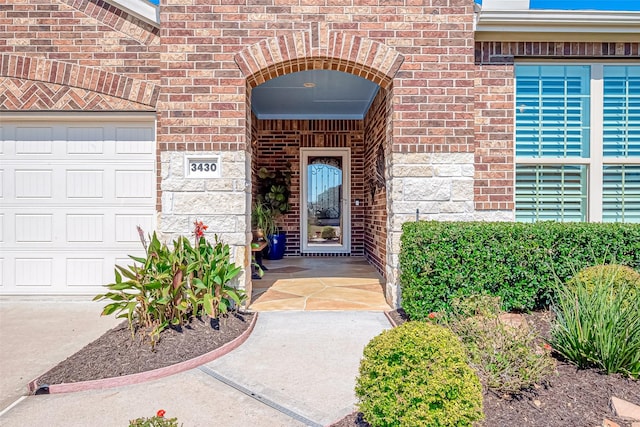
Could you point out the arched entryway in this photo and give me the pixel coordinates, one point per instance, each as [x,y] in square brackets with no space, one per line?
[287,137]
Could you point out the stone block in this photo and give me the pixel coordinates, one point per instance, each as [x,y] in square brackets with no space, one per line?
[410,207]
[213,203]
[448,170]
[411,158]
[174,224]
[514,320]
[232,170]
[625,409]
[453,158]
[222,184]
[462,189]
[218,224]
[167,202]
[419,170]
[455,207]
[508,216]
[182,184]
[468,170]
[424,189]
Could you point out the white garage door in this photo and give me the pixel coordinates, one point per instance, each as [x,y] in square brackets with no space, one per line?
[72,194]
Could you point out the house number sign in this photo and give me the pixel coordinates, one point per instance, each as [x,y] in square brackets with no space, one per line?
[202,166]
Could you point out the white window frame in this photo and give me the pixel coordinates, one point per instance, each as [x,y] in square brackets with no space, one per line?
[345,153]
[596,161]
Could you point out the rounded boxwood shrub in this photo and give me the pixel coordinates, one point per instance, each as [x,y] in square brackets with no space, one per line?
[417,375]
[614,275]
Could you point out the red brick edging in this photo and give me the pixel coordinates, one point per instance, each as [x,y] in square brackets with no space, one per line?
[149,375]
[390,319]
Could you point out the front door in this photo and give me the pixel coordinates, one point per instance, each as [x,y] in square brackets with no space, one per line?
[326,193]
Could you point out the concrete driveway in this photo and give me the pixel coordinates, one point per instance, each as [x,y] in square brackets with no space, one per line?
[296,368]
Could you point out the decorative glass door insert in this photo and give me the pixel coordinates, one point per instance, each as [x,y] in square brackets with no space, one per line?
[325,195]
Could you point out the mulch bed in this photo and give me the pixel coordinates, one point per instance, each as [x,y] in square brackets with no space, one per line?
[570,398]
[116,354]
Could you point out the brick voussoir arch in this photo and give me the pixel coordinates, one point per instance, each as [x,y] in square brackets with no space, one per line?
[293,52]
[80,76]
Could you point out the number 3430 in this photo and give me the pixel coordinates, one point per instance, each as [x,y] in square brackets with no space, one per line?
[203,167]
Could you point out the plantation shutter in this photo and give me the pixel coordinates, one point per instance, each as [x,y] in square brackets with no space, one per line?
[621,193]
[551,193]
[621,139]
[552,121]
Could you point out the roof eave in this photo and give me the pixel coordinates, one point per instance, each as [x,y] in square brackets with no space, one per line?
[556,21]
[142,9]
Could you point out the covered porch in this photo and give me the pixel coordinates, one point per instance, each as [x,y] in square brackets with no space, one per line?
[319,283]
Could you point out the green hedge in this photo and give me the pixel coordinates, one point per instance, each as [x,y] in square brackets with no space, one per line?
[518,262]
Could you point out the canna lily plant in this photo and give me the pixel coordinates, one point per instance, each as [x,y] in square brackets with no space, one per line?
[171,285]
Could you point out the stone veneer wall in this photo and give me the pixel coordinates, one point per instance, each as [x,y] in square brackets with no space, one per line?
[221,203]
[438,185]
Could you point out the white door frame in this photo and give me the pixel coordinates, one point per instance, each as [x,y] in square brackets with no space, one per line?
[345,247]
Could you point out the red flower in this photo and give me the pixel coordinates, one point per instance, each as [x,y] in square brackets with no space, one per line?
[199,229]
[432,315]
[161,413]
[547,347]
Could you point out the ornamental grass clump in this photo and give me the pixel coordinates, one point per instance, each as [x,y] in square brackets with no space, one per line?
[598,322]
[417,375]
[509,357]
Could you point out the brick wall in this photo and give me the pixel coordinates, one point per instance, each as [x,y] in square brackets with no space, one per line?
[76,55]
[494,153]
[377,151]
[494,105]
[280,141]
[211,51]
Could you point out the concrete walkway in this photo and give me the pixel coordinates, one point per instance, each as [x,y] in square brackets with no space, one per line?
[296,369]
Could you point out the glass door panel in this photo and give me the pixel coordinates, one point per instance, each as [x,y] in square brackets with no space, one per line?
[325,199]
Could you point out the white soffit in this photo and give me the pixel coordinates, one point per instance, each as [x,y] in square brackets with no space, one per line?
[502,16]
[142,9]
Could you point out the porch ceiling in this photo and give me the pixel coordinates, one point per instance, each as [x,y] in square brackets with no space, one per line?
[315,94]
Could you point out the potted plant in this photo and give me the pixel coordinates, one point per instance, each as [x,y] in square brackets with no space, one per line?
[263,221]
[273,198]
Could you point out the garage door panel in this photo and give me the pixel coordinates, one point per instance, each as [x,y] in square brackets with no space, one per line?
[85,140]
[85,228]
[85,271]
[134,184]
[73,195]
[31,271]
[34,228]
[126,227]
[33,184]
[134,140]
[34,140]
[85,184]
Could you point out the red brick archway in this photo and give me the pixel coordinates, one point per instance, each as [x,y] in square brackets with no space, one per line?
[79,76]
[276,142]
[289,53]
